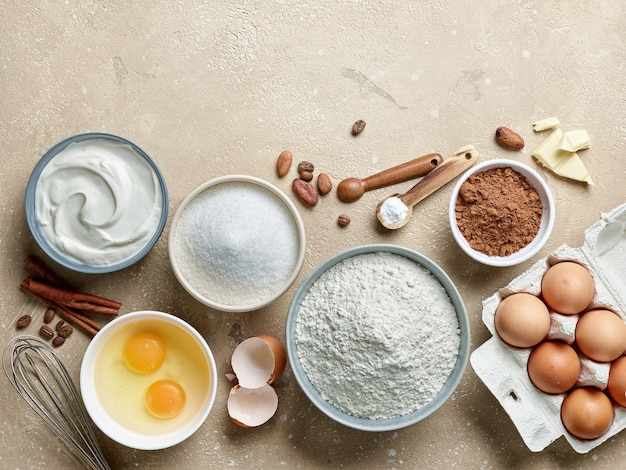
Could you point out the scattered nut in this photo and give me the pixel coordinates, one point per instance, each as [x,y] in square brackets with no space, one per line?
[49,315]
[324,184]
[343,220]
[306,176]
[358,127]
[305,192]
[24,321]
[305,166]
[283,164]
[46,332]
[58,341]
[65,331]
[509,138]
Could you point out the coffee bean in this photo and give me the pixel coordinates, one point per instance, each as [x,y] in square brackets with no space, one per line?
[305,166]
[65,331]
[46,332]
[343,220]
[358,127]
[58,341]
[24,321]
[306,176]
[49,315]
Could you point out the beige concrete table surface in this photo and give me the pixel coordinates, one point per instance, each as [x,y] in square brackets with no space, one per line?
[210,88]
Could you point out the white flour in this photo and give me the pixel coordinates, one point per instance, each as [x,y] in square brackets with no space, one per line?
[377,335]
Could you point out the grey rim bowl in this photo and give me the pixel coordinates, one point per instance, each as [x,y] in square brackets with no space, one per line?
[378,425]
[31,212]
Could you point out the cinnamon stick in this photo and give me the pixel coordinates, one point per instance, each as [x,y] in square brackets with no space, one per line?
[42,271]
[72,298]
[70,315]
[74,317]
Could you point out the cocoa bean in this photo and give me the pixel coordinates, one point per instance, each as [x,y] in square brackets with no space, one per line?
[324,184]
[305,192]
[283,164]
[509,138]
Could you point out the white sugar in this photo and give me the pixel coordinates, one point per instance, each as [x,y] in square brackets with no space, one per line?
[236,243]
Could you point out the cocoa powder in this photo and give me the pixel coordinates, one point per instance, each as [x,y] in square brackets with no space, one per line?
[498,212]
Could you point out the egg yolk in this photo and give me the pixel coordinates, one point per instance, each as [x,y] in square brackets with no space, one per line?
[165,399]
[144,352]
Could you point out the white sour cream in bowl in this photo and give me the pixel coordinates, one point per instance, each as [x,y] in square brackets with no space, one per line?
[96,203]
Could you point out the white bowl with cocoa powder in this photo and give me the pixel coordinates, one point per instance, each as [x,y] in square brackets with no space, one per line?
[501,212]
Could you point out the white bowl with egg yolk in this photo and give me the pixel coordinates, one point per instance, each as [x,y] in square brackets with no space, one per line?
[148,380]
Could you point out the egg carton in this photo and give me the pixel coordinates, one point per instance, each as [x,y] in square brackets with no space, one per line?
[503,368]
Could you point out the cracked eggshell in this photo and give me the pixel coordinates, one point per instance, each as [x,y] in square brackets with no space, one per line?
[258,361]
[249,408]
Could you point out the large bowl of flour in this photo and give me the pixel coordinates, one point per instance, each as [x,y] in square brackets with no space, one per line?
[378,337]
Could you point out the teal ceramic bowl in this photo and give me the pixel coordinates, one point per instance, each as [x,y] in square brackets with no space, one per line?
[366,424]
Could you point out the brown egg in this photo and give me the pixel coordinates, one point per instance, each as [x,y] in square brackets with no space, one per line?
[601,335]
[587,413]
[553,367]
[522,320]
[617,381]
[567,287]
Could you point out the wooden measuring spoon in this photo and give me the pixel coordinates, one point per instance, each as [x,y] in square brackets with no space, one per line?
[399,204]
[351,189]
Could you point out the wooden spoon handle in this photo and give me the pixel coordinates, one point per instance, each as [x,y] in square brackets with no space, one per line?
[451,167]
[398,174]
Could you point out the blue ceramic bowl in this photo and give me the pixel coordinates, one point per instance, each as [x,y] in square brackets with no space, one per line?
[52,251]
[378,425]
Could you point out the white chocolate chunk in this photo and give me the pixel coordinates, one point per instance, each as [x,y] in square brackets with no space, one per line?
[573,141]
[561,162]
[546,124]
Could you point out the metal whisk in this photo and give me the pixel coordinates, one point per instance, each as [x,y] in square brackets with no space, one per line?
[39,376]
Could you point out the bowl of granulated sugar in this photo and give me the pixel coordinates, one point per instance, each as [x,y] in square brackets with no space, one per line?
[501,212]
[236,243]
[378,337]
